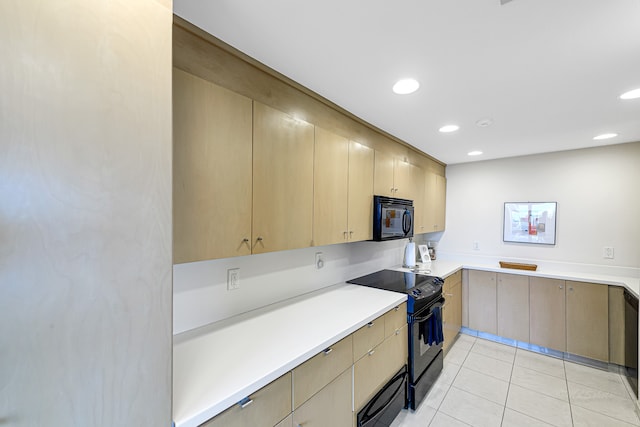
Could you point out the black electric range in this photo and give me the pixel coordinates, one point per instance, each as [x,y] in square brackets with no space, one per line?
[421,289]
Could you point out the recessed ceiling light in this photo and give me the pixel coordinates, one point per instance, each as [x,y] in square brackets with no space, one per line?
[605,136]
[449,128]
[632,94]
[406,86]
[474,153]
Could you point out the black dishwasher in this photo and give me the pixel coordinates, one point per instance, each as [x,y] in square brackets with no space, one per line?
[631,339]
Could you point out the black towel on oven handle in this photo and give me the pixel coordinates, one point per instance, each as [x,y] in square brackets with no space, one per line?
[431,329]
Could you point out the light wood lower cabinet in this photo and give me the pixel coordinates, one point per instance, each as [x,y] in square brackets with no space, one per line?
[513,306]
[287,422]
[331,406]
[379,365]
[320,370]
[268,406]
[482,301]
[452,309]
[368,337]
[547,313]
[395,319]
[588,320]
[616,325]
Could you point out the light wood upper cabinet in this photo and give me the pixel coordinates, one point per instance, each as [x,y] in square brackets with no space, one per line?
[547,313]
[482,301]
[360,205]
[513,306]
[330,188]
[211,162]
[392,176]
[343,190]
[588,320]
[418,194]
[435,202]
[282,181]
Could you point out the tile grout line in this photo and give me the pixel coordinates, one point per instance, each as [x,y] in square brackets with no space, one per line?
[566,381]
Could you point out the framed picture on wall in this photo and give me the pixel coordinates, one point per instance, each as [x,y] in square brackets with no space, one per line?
[530,222]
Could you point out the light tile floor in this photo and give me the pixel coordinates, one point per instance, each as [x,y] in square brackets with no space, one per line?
[486,384]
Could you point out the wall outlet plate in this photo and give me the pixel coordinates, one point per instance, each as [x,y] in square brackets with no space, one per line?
[319,260]
[607,252]
[233,279]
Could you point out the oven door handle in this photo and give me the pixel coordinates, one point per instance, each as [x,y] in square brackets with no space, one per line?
[419,319]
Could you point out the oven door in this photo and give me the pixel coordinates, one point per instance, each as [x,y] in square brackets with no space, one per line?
[426,338]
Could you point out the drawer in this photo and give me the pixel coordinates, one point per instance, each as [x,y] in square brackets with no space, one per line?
[320,370]
[367,337]
[453,279]
[330,407]
[395,319]
[372,371]
[269,405]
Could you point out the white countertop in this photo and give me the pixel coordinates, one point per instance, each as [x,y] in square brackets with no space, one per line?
[216,366]
[444,268]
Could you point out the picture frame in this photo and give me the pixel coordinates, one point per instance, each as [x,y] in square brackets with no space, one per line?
[530,222]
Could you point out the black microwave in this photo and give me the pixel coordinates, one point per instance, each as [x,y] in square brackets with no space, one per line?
[392,218]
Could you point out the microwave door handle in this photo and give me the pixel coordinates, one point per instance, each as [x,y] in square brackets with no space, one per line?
[406,222]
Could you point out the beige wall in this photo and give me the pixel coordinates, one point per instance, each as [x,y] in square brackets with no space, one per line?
[85,213]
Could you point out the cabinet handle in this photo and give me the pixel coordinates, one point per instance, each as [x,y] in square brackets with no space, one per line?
[350,233]
[392,189]
[259,239]
[571,289]
[397,331]
[345,234]
[244,403]
[397,308]
[370,324]
[560,286]
[245,240]
[327,351]
[371,352]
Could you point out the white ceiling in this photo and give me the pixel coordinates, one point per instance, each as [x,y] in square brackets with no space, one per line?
[547,72]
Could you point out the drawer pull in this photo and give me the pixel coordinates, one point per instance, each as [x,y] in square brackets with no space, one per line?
[371,352]
[245,402]
[370,324]
[397,308]
[397,331]
[327,351]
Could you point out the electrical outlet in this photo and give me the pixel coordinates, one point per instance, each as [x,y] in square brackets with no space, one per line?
[233,279]
[319,260]
[476,245]
[607,252]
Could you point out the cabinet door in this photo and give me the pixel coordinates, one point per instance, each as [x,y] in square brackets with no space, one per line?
[418,186]
[440,195]
[513,306]
[282,181]
[435,201]
[452,309]
[616,325]
[331,406]
[588,320]
[330,179]
[383,175]
[211,162]
[368,337]
[547,313]
[373,370]
[269,405]
[482,301]
[402,183]
[360,207]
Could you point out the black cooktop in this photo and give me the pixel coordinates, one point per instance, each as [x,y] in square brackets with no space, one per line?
[417,286]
